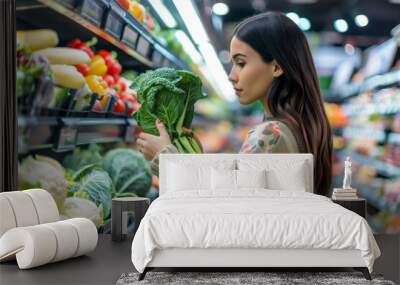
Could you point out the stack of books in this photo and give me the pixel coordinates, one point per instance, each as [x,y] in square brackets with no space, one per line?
[344,194]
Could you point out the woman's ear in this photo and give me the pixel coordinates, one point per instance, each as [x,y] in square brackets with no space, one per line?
[278,71]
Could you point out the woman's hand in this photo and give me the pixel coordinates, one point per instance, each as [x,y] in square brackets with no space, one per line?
[150,145]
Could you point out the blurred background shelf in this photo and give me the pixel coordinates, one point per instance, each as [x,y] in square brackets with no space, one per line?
[382,167]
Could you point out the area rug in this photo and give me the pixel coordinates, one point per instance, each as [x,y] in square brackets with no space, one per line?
[242,278]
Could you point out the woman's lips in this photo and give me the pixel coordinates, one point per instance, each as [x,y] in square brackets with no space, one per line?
[237,91]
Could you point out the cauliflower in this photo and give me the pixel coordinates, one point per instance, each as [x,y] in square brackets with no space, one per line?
[43,172]
[81,208]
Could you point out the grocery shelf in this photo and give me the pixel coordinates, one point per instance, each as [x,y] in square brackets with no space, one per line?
[65,133]
[371,108]
[394,138]
[381,167]
[104,19]
[370,193]
[364,133]
[372,83]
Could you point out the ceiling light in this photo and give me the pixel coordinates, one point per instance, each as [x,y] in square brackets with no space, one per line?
[192,20]
[341,25]
[304,24]
[164,13]
[220,9]
[188,46]
[294,17]
[361,20]
[217,71]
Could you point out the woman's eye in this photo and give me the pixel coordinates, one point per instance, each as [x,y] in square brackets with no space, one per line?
[240,64]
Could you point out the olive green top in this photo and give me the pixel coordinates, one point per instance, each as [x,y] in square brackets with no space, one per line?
[270,136]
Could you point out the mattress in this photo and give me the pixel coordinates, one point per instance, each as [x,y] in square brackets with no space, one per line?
[250,219]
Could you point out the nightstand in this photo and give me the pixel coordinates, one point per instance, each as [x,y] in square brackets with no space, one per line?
[121,210]
[358,206]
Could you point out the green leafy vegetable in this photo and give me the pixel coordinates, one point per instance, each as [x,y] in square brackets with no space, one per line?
[169,95]
[129,171]
[81,157]
[96,186]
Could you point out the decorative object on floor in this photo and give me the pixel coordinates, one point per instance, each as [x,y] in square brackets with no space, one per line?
[346,192]
[358,205]
[33,234]
[122,208]
[242,278]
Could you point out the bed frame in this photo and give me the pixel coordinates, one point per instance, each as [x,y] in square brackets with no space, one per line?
[249,257]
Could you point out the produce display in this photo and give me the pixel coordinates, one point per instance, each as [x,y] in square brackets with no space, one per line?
[87,181]
[65,78]
[138,11]
[52,76]
[169,95]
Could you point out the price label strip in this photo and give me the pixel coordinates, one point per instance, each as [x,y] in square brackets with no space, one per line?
[67,138]
[114,24]
[143,46]
[129,37]
[93,11]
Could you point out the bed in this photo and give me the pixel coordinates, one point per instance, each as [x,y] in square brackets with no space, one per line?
[247,210]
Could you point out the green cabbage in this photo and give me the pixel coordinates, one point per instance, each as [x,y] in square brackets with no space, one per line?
[82,157]
[129,171]
[95,186]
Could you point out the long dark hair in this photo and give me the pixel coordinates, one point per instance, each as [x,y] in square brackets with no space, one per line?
[294,97]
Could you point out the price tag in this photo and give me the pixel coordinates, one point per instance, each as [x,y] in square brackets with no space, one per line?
[165,62]
[67,139]
[157,58]
[130,133]
[130,36]
[114,25]
[93,11]
[143,46]
[68,3]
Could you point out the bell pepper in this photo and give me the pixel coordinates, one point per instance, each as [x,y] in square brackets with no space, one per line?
[124,4]
[137,11]
[83,69]
[85,46]
[96,84]
[97,65]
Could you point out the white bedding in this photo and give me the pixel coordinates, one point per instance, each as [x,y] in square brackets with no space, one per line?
[251,218]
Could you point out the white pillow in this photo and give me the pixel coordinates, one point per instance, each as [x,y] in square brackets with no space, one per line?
[293,180]
[182,177]
[227,179]
[251,178]
[185,174]
[292,175]
[223,179]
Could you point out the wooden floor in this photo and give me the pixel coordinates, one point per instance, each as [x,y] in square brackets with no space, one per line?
[110,259]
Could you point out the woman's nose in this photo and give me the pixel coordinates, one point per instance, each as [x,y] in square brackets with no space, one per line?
[232,76]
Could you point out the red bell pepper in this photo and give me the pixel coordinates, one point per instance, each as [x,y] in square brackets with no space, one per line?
[83,69]
[85,46]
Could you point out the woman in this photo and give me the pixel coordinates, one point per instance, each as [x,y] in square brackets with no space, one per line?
[272,63]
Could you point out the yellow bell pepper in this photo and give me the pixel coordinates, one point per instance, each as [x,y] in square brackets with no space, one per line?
[137,11]
[96,84]
[97,65]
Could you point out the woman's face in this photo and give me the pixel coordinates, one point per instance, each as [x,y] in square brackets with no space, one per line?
[250,75]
